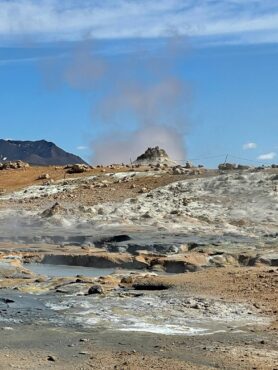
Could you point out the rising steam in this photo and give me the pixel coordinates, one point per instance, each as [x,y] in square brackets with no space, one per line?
[116,146]
[140,102]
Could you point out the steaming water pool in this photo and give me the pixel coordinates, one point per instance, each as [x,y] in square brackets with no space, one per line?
[67,271]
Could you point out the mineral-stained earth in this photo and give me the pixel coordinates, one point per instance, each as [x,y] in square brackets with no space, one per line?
[147,266]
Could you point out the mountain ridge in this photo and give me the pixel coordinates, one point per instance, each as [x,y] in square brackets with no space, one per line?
[38,152]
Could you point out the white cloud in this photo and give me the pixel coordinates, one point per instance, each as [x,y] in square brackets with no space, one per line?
[249,146]
[249,21]
[267,156]
[30,60]
[81,147]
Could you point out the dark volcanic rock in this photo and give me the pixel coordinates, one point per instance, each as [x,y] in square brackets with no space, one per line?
[154,156]
[153,153]
[40,152]
[95,289]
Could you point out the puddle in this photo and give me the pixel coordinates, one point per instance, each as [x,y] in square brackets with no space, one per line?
[67,271]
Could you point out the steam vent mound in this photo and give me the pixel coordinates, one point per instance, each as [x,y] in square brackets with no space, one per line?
[154,156]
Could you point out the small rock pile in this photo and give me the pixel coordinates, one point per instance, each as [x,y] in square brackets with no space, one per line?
[184,170]
[77,168]
[44,176]
[13,165]
[232,166]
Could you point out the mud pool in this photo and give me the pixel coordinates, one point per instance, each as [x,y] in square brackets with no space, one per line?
[153,314]
[66,271]
[132,311]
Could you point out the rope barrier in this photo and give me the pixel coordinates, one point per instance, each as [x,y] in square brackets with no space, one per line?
[224,156]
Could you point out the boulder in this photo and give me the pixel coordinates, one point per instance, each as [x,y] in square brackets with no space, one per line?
[44,176]
[96,289]
[54,210]
[177,171]
[77,168]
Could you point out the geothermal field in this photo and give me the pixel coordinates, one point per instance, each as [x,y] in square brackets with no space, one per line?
[150,265]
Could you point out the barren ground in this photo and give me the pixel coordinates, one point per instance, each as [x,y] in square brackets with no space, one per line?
[219,274]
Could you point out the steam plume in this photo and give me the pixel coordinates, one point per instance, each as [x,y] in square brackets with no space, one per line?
[141,101]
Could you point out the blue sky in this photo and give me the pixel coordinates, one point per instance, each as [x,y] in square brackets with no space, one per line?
[54,75]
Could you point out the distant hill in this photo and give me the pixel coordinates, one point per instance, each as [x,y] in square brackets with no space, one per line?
[40,152]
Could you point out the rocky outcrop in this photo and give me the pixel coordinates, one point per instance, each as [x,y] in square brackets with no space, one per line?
[154,156]
[152,153]
[77,168]
[13,165]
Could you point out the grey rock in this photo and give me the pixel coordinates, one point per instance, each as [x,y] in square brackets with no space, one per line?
[96,289]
